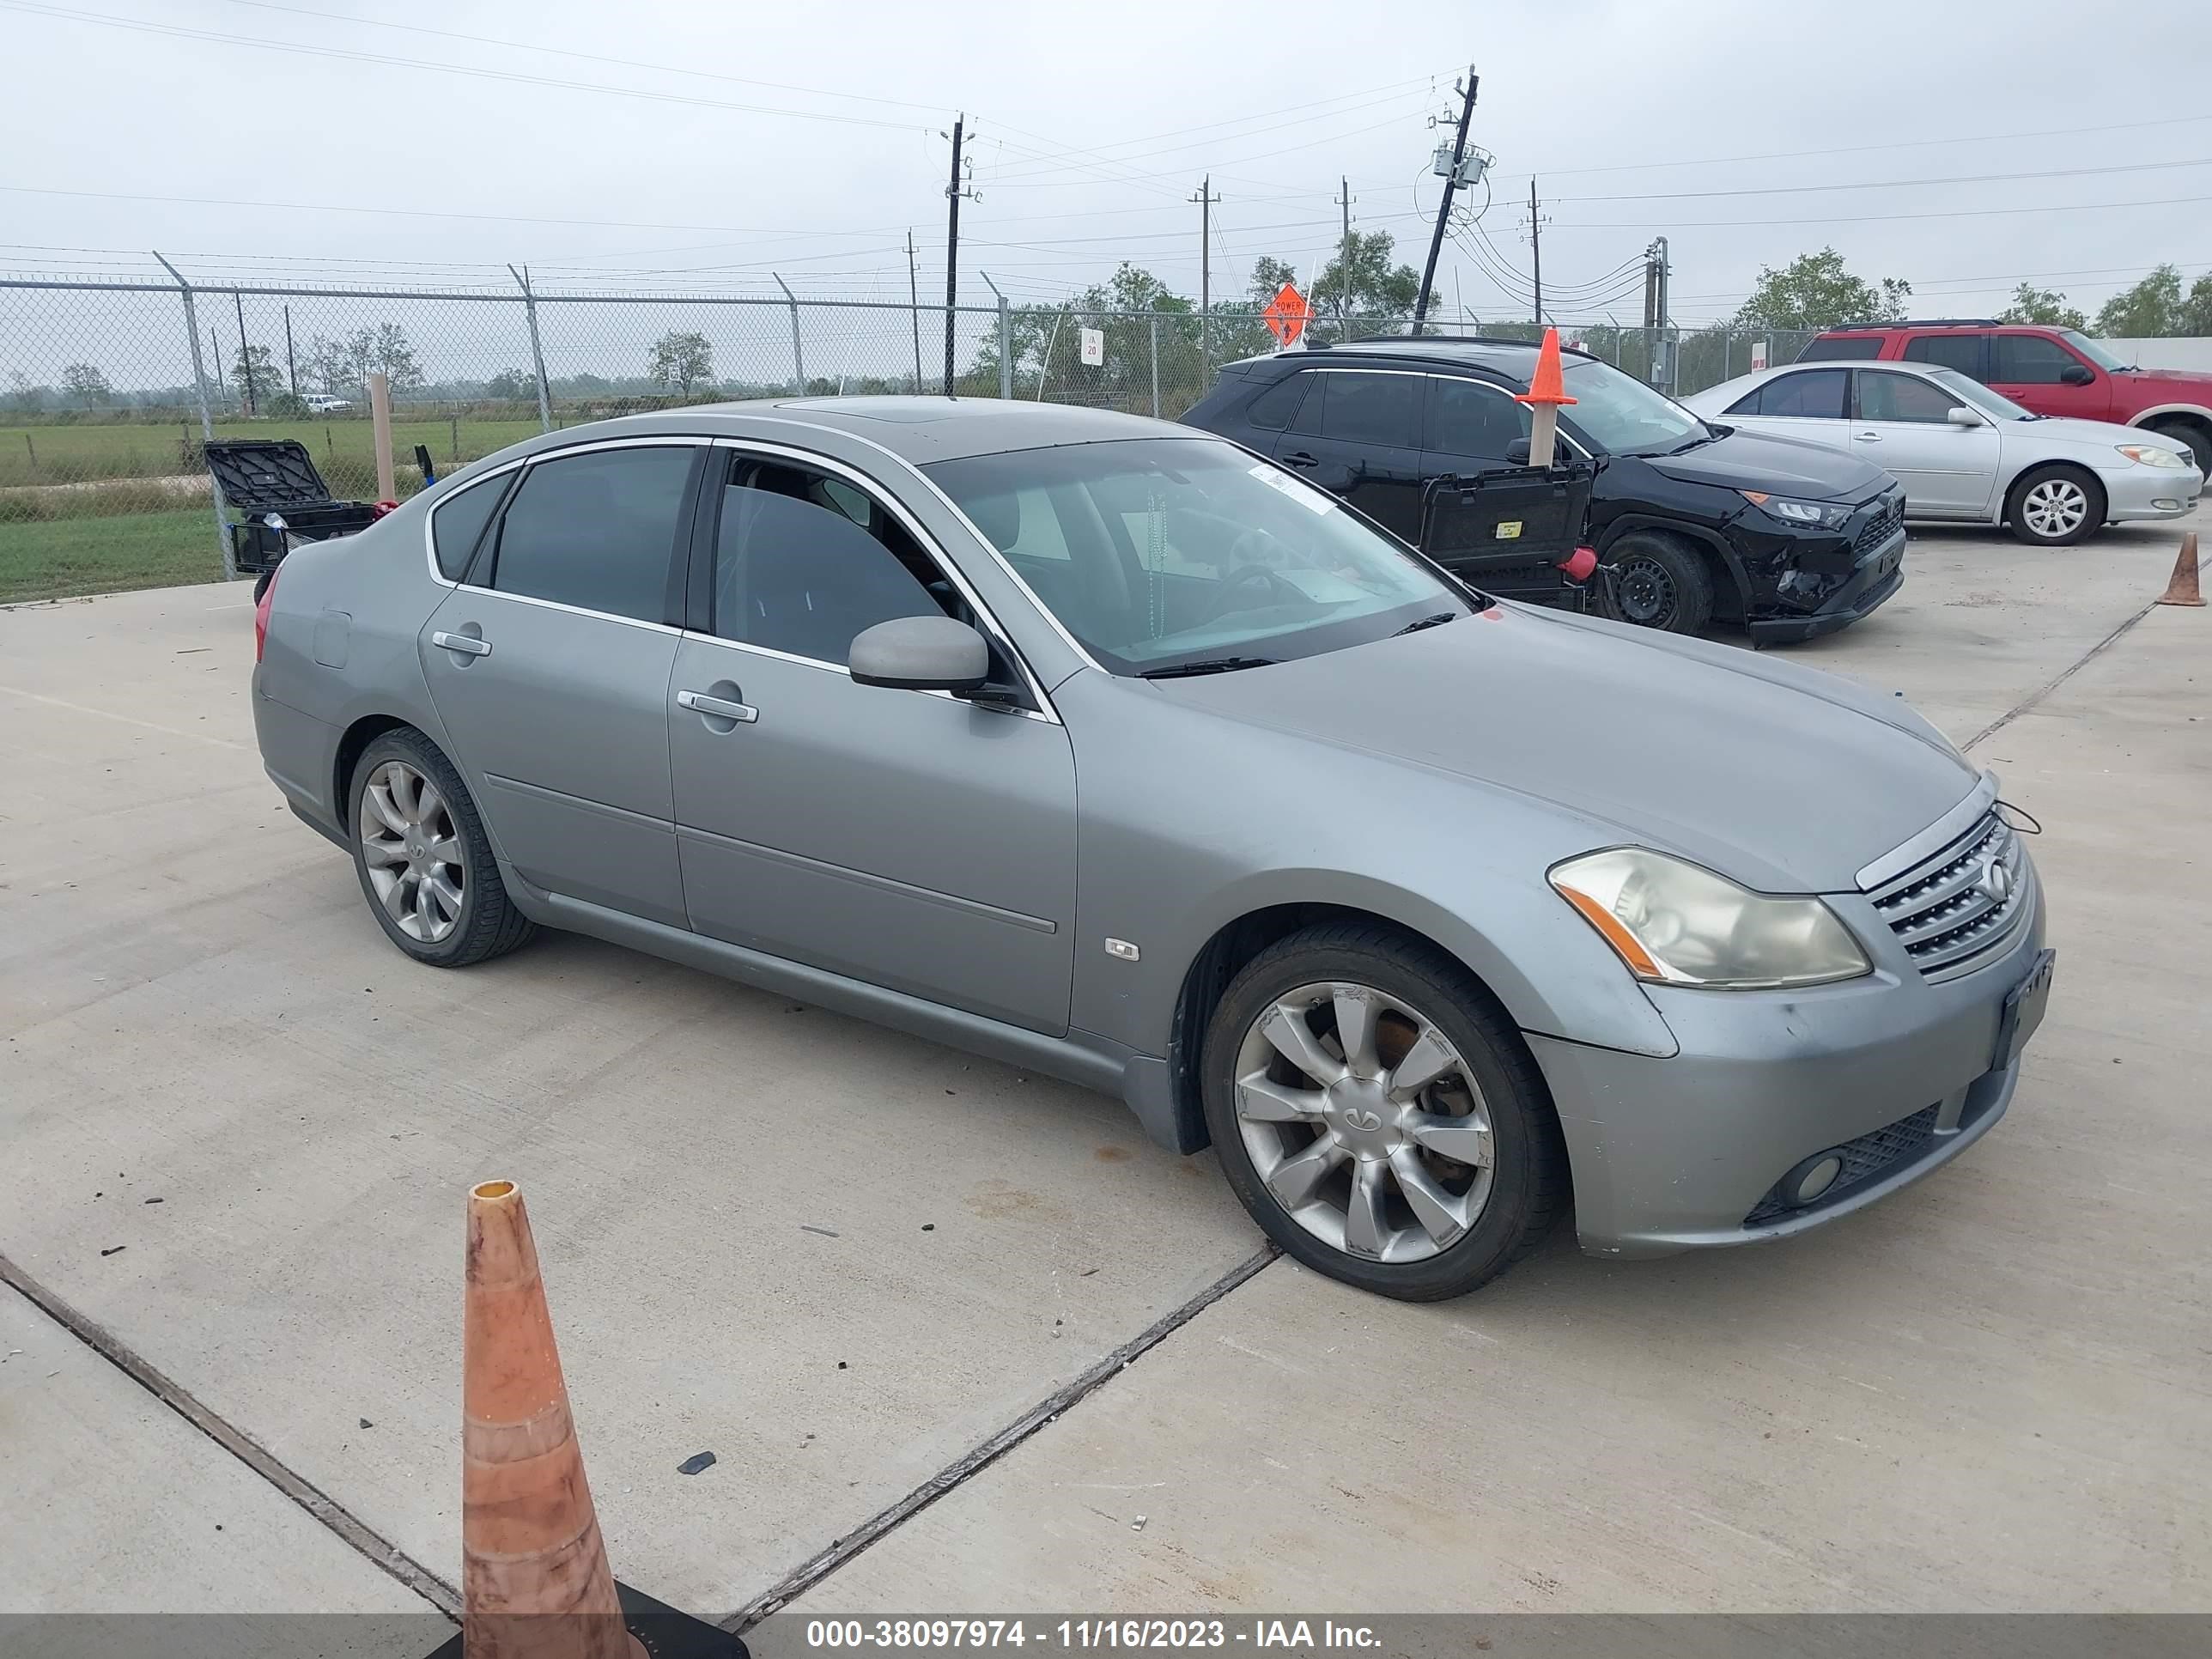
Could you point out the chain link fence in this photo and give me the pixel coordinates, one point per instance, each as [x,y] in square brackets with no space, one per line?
[108,389]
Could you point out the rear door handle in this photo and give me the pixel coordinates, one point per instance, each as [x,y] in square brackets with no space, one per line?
[1301,459]
[719,708]
[466,644]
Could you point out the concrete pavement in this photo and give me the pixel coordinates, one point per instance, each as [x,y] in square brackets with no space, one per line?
[841,1259]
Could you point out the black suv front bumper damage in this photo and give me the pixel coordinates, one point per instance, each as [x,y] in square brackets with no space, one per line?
[1825,580]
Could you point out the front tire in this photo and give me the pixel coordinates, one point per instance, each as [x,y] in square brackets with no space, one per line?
[2055,506]
[425,863]
[1658,581]
[1379,1116]
[2196,439]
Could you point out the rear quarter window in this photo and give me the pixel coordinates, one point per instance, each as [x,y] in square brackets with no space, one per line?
[457,523]
[1278,406]
[1841,348]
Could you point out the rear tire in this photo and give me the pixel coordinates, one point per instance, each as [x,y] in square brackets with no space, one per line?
[1432,1163]
[1659,581]
[425,863]
[2055,506]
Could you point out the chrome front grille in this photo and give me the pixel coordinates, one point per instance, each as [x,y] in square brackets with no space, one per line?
[1962,903]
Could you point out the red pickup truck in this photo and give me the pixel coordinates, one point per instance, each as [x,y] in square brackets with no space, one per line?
[2047,371]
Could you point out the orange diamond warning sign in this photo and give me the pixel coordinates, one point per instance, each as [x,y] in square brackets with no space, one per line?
[1286,314]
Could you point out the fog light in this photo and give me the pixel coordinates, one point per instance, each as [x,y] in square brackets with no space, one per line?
[2166,504]
[1813,1177]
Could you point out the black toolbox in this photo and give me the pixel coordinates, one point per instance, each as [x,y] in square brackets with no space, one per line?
[261,477]
[1512,532]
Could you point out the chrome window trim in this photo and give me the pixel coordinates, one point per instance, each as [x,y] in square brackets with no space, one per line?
[946,567]
[1048,717]
[1564,436]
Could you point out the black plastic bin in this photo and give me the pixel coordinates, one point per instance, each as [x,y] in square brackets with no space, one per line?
[1511,532]
[258,477]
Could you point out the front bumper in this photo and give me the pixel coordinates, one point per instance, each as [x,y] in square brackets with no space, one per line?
[1815,582]
[1684,1152]
[2137,492]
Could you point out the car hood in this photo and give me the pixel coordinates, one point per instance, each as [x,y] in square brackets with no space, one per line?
[2191,386]
[1782,778]
[1780,466]
[2103,434]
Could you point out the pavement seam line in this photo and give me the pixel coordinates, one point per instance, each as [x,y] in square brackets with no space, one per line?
[820,1565]
[2034,698]
[378,1551]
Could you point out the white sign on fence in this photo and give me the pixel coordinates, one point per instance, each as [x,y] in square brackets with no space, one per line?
[1094,347]
[1757,355]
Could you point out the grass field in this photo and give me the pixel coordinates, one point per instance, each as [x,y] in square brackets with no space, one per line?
[81,453]
[55,559]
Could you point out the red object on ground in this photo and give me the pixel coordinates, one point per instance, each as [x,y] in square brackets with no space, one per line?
[1545,387]
[1580,564]
[261,613]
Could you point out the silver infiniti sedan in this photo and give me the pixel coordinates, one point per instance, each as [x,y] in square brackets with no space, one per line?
[1102,747]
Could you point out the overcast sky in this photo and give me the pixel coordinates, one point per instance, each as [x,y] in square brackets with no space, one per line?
[804,140]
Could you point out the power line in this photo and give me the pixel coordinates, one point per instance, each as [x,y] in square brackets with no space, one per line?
[1895,184]
[2051,208]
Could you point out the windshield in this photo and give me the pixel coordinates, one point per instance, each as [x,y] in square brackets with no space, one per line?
[1621,416]
[1157,553]
[2094,351]
[1969,390]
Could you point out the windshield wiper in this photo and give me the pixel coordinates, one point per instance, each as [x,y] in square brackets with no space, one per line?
[1684,448]
[1209,666]
[1436,621]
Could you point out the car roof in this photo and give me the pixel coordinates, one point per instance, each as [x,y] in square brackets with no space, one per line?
[926,429]
[1516,358]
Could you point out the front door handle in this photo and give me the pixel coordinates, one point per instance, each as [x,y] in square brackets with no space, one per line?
[1301,459]
[1868,437]
[467,644]
[719,708]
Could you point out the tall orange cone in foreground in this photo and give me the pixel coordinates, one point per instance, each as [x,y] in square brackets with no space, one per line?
[2183,588]
[1545,394]
[534,1574]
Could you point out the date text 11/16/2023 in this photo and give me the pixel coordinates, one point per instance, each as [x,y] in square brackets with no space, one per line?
[1289,1636]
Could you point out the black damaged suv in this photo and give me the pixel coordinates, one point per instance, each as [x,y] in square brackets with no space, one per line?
[1702,522]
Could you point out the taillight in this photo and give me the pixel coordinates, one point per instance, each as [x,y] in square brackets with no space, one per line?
[261,615]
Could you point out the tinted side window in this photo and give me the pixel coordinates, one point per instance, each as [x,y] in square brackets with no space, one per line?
[1275,407]
[458,521]
[1902,397]
[596,531]
[796,571]
[1467,418]
[1370,409]
[1851,346]
[2028,360]
[1815,395]
[1960,351]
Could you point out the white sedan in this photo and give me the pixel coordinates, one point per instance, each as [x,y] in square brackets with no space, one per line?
[1962,452]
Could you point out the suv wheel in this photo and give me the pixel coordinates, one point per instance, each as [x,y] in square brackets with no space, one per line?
[2196,439]
[2055,506]
[1658,582]
[1378,1115]
[425,863]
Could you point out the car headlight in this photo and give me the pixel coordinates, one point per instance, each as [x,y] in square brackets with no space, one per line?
[2152,455]
[1676,923]
[1825,515]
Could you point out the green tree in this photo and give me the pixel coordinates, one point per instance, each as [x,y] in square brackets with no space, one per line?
[1814,291]
[1046,342]
[2196,309]
[253,372]
[681,361]
[2151,309]
[1359,291]
[87,386]
[2045,305]
[511,386]
[342,367]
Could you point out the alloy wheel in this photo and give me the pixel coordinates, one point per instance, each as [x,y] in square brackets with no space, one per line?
[2055,508]
[1364,1122]
[1644,593]
[412,848]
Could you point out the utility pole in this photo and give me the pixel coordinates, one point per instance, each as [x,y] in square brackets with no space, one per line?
[1536,249]
[1452,182]
[245,356]
[1655,312]
[953,192]
[913,299]
[1666,381]
[1206,198]
[214,343]
[291,364]
[1344,262]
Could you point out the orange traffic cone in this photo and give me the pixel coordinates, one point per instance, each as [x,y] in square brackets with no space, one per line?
[534,1574]
[1547,392]
[2183,588]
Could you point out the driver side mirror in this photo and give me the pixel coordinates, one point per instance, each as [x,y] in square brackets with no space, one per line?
[2074,374]
[1964,416]
[921,653]
[1517,452]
